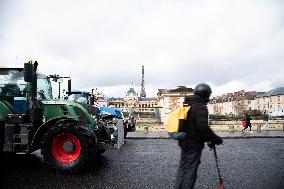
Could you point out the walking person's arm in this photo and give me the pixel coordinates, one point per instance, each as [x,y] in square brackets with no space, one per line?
[203,126]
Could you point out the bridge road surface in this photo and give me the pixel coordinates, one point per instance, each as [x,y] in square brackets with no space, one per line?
[152,163]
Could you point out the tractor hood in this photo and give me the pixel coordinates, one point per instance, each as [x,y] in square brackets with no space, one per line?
[57,108]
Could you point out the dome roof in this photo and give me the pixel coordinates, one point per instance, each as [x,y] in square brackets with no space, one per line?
[131,92]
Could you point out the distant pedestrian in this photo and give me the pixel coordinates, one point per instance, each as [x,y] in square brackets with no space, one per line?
[197,133]
[126,126]
[247,118]
[265,119]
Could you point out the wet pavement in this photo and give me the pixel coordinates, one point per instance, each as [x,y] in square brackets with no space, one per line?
[256,163]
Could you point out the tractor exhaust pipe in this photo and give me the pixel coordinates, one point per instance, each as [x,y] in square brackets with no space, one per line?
[30,76]
[69,86]
[92,98]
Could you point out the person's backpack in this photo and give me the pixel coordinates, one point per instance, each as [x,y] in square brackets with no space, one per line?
[176,122]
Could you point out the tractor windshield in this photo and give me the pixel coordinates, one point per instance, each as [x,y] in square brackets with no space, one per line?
[44,85]
[12,84]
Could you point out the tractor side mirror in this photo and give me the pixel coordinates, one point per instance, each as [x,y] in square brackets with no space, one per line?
[28,72]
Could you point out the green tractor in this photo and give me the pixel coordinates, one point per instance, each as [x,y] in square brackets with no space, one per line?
[107,120]
[66,132]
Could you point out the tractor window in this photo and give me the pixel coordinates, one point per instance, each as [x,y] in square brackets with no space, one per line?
[12,83]
[44,85]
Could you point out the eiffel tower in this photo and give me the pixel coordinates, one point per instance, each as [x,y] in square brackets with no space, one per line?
[142,93]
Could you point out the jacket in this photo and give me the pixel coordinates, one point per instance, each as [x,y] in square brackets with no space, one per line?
[247,118]
[196,126]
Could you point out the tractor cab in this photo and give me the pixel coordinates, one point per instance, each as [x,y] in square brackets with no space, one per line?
[14,90]
[12,84]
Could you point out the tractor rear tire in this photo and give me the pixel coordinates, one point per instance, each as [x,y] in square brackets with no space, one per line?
[69,147]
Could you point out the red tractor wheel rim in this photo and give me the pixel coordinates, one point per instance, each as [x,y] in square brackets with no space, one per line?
[59,151]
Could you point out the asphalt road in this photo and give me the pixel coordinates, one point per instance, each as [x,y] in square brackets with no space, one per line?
[152,163]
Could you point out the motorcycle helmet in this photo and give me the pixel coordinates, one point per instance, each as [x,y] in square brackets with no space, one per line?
[203,90]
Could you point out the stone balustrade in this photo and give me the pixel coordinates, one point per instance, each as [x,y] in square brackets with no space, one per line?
[236,126]
[226,126]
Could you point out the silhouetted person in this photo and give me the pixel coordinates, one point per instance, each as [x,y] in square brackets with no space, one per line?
[247,118]
[197,133]
[265,119]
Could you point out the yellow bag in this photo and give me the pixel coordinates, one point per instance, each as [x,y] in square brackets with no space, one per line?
[174,122]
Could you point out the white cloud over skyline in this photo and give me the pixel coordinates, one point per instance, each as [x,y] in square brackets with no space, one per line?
[231,45]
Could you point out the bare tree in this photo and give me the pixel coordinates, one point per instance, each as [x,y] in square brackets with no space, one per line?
[239,105]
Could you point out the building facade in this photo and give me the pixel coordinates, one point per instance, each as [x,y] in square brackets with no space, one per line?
[237,102]
[170,99]
[271,101]
[228,104]
[232,103]
[132,103]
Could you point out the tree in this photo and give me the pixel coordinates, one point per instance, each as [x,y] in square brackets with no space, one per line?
[239,105]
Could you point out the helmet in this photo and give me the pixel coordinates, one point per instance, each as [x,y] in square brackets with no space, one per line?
[203,90]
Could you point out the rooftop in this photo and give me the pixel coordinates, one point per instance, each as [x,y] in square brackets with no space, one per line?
[274,92]
[179,89]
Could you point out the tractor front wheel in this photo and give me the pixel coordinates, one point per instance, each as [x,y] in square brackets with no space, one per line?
[68,147]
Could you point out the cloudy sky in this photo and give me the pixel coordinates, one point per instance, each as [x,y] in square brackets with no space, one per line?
[231,45]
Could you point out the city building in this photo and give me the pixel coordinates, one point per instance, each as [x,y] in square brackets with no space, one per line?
[271,101]
[144,108]
[132,102]
[233,103]
[237,102]
[170,99]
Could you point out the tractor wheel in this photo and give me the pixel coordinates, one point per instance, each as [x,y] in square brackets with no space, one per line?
[68,147]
